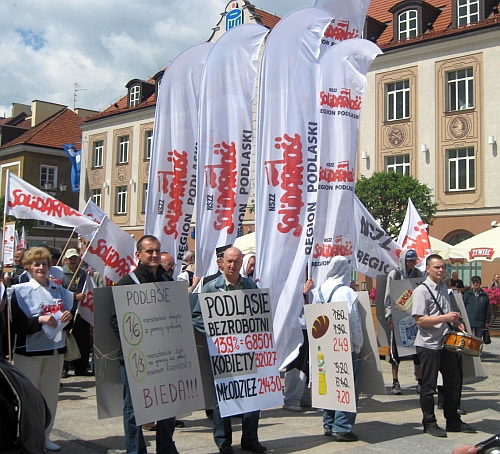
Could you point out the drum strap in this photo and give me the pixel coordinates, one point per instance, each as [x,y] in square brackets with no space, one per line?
[452,328]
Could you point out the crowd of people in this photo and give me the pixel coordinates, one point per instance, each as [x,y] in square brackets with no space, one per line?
[43,312]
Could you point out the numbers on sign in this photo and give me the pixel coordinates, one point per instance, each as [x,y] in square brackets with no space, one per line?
[340,344]
[137,364]
[341,368]
[343,397]
[226,344]
[132,328]
[259,341]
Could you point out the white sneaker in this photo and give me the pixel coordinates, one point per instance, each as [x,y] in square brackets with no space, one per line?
[296,408]
[51,446]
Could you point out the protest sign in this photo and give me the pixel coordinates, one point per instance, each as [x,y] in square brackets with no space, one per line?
[109,387]
[159,350]
[239,328]
[9,244]
[405,327]
[330,353]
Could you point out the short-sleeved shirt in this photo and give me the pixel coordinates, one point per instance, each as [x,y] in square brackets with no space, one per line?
[431,337]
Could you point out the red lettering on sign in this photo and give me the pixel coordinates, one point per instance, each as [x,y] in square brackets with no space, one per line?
[52,207]
[292,178]
[175,190]
[342,100]
[341,31]
[225,182]
[111,257]
[343,174]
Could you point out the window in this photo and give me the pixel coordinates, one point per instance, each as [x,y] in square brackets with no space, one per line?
[123,144]
[97,153]
[144,196]
[148,145]
[461,169]
[135,95]
[407,24]
[460,89]
[398,100]
[467,12]
[121,200]
[399,164]
[48,174]
[97,197]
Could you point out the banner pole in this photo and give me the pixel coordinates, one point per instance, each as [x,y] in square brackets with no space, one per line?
[65,247]
[3,246]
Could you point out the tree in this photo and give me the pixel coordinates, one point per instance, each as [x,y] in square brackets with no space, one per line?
[385,196]
[28,224]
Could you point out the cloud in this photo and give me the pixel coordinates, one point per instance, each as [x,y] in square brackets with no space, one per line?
[48,46]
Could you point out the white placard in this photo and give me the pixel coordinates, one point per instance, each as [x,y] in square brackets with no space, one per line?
[405,326]
[330,353]
[239,328]
[159,350]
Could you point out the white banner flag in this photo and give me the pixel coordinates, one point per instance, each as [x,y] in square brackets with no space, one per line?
[111,251]
[22,240]
[286,167]
[340,97]
[225,140]
[349,20]
[94,213]
[86,306]
[376,252]
[24,201]
[172,173]
[414,235]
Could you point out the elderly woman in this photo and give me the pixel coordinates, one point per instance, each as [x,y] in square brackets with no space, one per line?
[36,304]
[248,266]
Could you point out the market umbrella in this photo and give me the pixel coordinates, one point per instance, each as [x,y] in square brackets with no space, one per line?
[484,247]
[246,243]
[438,246]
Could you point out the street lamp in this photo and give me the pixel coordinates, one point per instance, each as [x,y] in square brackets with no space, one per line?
[53,192]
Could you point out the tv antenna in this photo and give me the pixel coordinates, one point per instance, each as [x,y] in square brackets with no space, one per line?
[76,89]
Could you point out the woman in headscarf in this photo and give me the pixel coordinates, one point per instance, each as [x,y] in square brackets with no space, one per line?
[248,266]
[336,288]
[38,307]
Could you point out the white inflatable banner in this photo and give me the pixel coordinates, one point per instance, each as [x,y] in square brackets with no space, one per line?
[286,167]
[339,100]
[225,141]
[172,173]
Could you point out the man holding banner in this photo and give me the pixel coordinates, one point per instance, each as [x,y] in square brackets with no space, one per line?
[230,280]
[148,270]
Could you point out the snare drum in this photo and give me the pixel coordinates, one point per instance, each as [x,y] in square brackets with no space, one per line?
[463,343]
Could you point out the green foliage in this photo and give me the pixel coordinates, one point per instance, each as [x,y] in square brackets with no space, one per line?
[385,195]
[28,224]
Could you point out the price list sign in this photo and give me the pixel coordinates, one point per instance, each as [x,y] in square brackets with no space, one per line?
[159,350]
[239,328]
[330,353]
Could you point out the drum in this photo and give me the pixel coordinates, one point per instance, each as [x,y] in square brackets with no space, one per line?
[463,343]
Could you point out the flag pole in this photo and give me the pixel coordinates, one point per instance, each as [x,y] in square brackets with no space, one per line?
[5,201]
[65,247]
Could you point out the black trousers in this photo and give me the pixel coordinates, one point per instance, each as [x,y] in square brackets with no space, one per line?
[444,361]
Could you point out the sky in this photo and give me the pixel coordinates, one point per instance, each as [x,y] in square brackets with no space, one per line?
[46,46]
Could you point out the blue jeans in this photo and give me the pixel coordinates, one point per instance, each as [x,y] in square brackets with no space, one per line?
[223,431]
[134,438]
[343,421]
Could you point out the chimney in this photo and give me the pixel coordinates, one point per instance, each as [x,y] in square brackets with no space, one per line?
[42,110]
[18,108]
[85,113]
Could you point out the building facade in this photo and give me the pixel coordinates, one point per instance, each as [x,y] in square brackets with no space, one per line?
[434,95]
